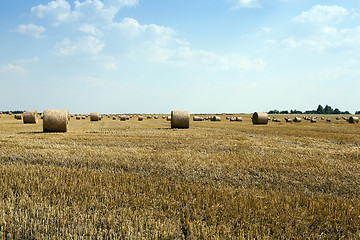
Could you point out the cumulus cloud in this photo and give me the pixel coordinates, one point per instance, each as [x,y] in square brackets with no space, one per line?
[323,14]
[10,68]
[31,29]
[83,45]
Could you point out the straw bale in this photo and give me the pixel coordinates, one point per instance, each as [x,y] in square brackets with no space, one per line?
[18,116]
[180,119]
[216,119]
[55,120]
[122,118]
[297,119]
[353,119]
[140,118]
[30,117]
[239,119]
[168,118]
[260,118]
[94,116]
[313,120]
[328,120]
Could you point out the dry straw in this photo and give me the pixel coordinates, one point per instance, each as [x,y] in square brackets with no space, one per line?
[94,116]
[30,117]
[18,116]
[297,119]
[55,120]
[140,118]
[353,119]
[239,119]
[260,118]
[180,119]
[197,118]
[313,120]
[168,118]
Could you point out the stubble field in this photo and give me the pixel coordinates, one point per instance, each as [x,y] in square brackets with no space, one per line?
[143,180]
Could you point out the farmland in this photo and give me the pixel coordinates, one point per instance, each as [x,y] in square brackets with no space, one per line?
[115,179]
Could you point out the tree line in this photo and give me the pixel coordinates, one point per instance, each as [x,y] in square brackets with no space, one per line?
[320,110]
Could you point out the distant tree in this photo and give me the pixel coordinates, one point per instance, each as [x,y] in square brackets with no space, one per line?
[346,112]
[320,109]
[328,109]
[336,111]
[357,112]
[284,112]
[295,111]
[273,111]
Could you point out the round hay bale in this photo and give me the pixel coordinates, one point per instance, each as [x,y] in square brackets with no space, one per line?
[78,117]
[94,116]
[322,118]
[328,120]
[156,117]
[55,120]
[149,117]
[180,119]
[297,119]
[232,119]
[216,119]
[260,118]
[239,119]
[227,118]
[140,118]
[338,118]
[122,118]
[353,119]
[197,118]
[83,117]
[278,120]
[313,120]
[30,117]
[18,116]
[168,118]
[127,117]
[288,120]
[163,117]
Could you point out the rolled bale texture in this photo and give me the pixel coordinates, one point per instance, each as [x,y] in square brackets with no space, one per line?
[180,119]
[353,120]
[140,118]
[168,118]
[216,119]
[260,118]
[197,118]
[313,120]
[18,116]
[328,120]
[239,119]
[233,119]
[55,120]
[297,119]
[30,117]
[94,116]
[123,118]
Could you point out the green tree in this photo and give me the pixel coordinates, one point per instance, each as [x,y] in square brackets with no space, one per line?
[320,109]
[328,109]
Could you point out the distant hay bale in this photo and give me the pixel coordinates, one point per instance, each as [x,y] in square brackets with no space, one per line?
[180,119]
[156,117]
[78,117]
[140,118]
[149,117]
[127,117]
[232,119]
[122,118]
[197,119]
[288,120]
[297,119]
[18,116]
[260,118]
[216,119]
[239,119]
[55,120]
[30,117]
[278,120]
[313,120]
[94,116]
[168,118]
[322,118]
[353,119]
[163,117]
[338,118]
[114,117]
[227,118]
[83,117]
[328,120]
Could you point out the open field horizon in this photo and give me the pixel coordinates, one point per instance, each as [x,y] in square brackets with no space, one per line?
[115,179]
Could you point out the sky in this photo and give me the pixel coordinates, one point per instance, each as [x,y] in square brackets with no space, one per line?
[155,56]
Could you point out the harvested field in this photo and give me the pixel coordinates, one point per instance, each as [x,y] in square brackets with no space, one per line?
[144,180]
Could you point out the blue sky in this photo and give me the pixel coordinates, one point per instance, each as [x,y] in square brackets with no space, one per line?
[115,56]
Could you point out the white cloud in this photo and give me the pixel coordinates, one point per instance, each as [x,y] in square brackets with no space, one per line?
[88,11]
[319,14]
[31,29]
[27,61]
[10,68]
[83,45]
[91,29]
[244,3]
